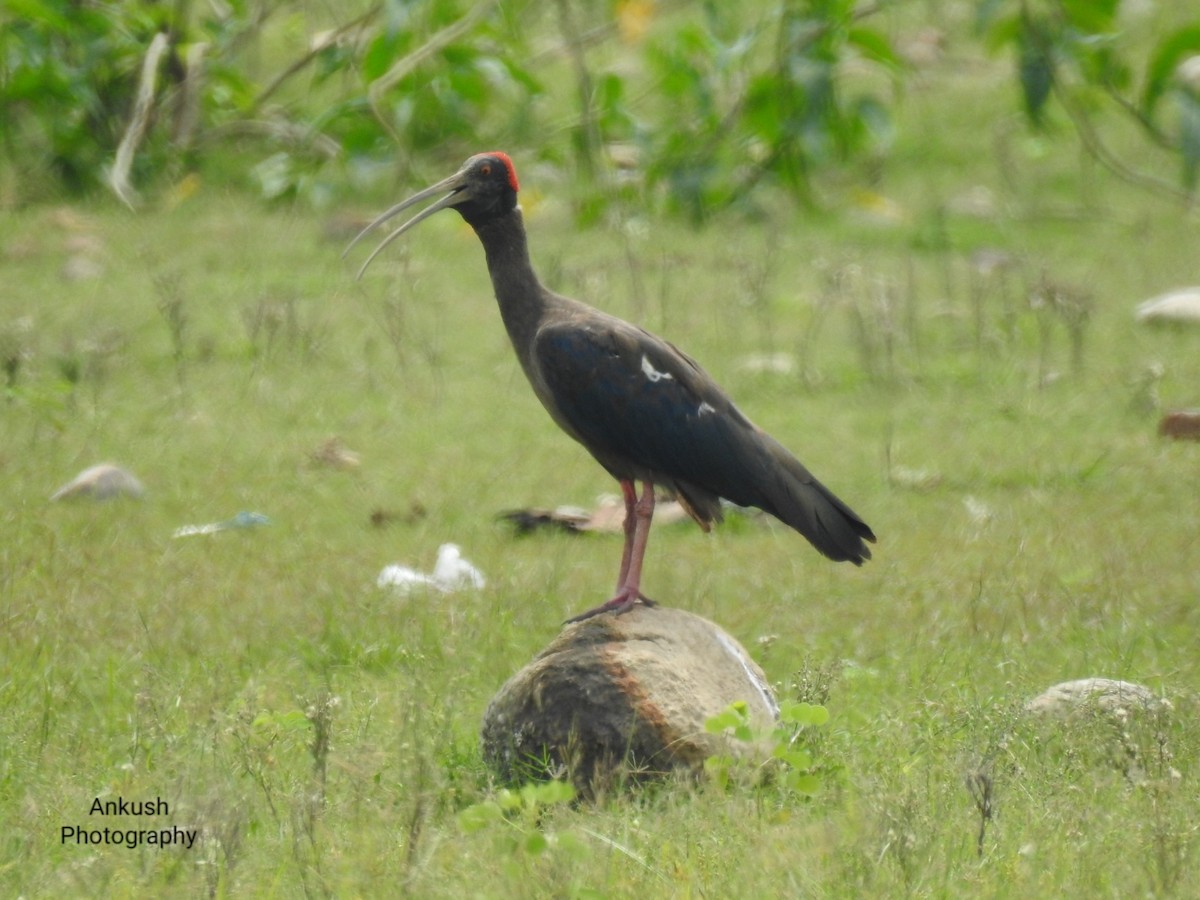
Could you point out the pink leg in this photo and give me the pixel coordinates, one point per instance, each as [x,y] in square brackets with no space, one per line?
[630,494]
[638,516]
[643,514]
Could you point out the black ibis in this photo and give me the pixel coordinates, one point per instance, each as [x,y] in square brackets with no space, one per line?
[645,410]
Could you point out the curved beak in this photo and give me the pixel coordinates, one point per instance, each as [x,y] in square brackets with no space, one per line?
[454,184]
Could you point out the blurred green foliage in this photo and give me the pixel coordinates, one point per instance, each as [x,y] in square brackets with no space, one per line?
[702,101]
[1080,53]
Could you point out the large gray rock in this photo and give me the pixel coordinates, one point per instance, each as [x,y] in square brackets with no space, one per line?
[624,696]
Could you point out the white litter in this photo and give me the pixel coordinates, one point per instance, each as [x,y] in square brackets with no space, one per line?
[451,573]
[1180,306]
[241,520]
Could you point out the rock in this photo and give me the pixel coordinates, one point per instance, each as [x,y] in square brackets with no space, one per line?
[1088,695]
[624,695]
[1104,724]
[1181,424]
[1078,735]
[102,482]
[334,454]
[1178,307]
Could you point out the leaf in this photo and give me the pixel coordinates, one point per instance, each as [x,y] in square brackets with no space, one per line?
[876,119]
[480,816]
[1189,137]
[1036,70]
[1172,50]
[550,793]
[987,13]
[275,178]
[34,11]
[875,46]
[733,716]
[1091,16]
[379,56]
[1006,31]
[800,760]
[508,800]
[535,842]
[717,768]
[804,714]
[804,783]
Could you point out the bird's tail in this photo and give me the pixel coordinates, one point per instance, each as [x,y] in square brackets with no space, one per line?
[791,494]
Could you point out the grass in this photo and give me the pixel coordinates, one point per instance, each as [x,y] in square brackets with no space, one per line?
[322,734]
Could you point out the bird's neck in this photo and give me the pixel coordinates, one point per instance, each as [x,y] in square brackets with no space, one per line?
[521,296]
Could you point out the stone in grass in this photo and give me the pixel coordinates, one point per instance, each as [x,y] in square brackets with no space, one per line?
[1107,721]
[624,696]
[1079,733]
[1085,695]
[1181,425]
[102,482]
[1177,307]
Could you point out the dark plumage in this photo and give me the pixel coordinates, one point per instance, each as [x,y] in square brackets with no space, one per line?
[644,409]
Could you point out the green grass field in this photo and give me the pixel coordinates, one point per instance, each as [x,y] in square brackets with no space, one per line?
[322,734]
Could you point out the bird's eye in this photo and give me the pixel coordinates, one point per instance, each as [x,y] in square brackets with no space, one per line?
[485,170]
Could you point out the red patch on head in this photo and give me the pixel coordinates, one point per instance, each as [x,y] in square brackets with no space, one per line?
[508,164]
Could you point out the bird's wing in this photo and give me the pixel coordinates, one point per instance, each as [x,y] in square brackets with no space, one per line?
[646,410]
[631,397]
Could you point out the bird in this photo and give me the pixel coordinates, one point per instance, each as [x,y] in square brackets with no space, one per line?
[644,409]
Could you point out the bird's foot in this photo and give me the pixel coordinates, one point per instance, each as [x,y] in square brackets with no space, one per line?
[622,603]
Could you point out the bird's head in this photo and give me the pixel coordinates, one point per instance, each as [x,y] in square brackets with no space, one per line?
[483,188]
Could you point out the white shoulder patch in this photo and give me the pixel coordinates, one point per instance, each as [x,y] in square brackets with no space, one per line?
[651,373]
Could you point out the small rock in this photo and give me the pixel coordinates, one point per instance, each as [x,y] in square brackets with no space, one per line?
[334,454]
[624,694]
[1181,424]
[1178,307]
[102,482]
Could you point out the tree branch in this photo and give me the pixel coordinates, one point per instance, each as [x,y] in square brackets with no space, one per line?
[402,67]
[1109,160]
[308,57]
[118,175]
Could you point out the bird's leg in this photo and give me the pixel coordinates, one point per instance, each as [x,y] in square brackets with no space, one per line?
[638,516]
[629,492]
[643,513]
